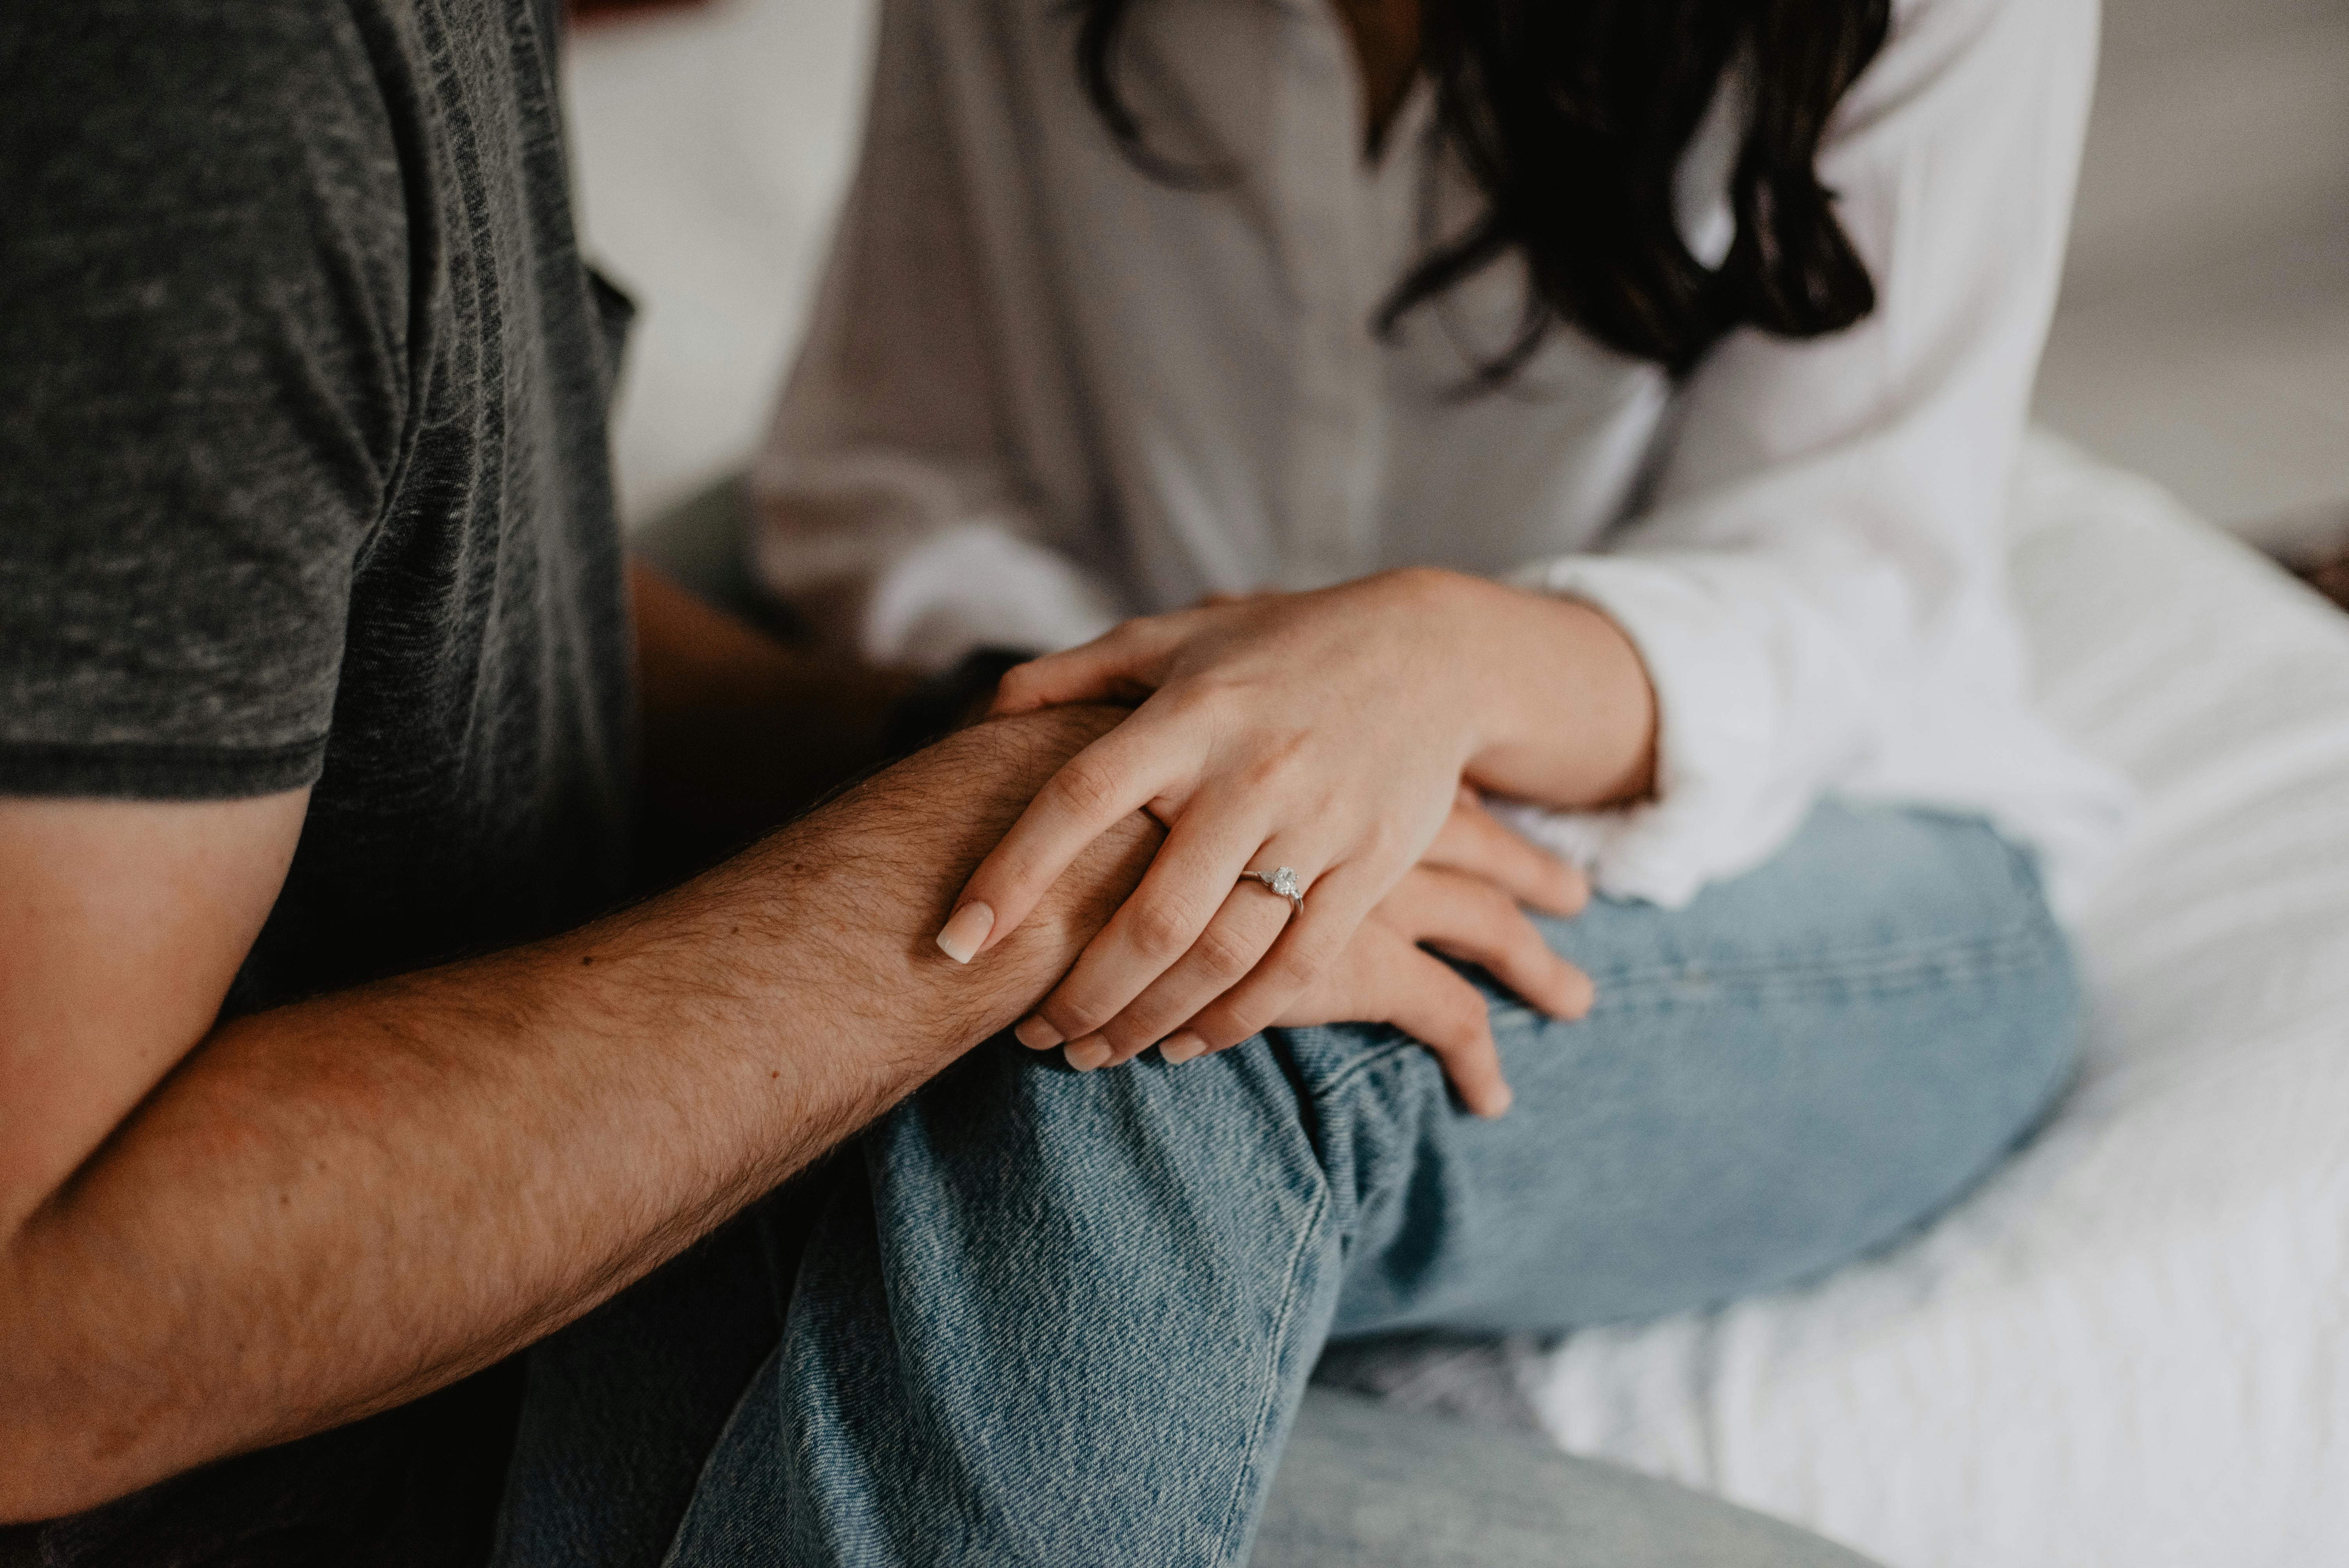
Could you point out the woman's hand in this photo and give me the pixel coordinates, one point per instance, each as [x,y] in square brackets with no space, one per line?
[1384,976]
[1463,900]
[1327,732]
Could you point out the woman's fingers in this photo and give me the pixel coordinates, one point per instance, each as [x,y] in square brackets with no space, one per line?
[1473,841]
[1159,925]
[1118,666]
[1304,952]
[1468,919]
[1445,1013]
[1249,923]
[1117,775]
[1384,979]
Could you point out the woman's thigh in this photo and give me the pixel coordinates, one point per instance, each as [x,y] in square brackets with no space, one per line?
[1806,1062]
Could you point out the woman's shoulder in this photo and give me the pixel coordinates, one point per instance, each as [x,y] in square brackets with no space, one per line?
[2048,13]
[1941,25]
[1970,58]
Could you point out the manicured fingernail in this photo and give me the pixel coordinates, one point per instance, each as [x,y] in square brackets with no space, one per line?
[1507,1097]
[969,927]
[1183,1048]
[1037,1035]
[1092,1052]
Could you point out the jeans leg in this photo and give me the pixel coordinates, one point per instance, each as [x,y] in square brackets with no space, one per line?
[1062,1319]
[1803,1065]
[622,1408]
[1065,1317]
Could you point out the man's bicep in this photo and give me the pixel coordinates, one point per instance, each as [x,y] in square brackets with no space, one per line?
[122,925]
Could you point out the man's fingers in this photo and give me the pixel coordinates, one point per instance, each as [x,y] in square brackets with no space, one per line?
[1470,919]
[1473,841]
[1117,775]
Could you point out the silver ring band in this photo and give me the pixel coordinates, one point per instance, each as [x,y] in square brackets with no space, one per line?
[1281,880]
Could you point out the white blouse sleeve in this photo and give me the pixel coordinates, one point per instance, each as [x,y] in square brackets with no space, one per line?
[1824,559]
[892,506]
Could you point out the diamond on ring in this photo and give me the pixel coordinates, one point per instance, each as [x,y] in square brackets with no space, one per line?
[1282,879]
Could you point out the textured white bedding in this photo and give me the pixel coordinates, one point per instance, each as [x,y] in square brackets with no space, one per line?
[2132,1347]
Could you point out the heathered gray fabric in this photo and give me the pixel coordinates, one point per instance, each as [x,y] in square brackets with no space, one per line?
[303,481]
[303,467]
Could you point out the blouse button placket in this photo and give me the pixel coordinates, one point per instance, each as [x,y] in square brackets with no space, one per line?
[1330,531]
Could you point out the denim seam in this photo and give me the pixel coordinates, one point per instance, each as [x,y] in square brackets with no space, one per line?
[1233,1528]
[1882,973]
[1891,970]
[1376,1058]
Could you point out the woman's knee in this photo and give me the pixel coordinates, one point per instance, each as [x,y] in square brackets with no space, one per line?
[1006,1120]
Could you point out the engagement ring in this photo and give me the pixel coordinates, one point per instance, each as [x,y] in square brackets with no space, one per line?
[1282,881]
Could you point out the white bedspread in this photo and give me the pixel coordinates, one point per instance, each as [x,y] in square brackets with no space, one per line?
[2132,1347]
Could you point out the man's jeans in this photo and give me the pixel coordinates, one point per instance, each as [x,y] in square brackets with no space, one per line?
[1047,1318]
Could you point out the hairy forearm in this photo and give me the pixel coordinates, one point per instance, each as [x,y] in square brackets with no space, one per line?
[336,1206]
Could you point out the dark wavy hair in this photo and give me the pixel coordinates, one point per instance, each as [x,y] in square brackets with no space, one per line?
[1572,116]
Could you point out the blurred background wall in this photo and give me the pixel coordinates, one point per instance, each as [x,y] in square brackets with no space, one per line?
[2203,338]
[711,143]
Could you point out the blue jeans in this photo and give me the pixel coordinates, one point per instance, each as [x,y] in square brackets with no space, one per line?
[1047,1318]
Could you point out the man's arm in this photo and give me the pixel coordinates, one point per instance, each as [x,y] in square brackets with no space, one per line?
[334,1207]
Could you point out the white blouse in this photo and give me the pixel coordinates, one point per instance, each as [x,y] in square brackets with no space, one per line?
[1044,392]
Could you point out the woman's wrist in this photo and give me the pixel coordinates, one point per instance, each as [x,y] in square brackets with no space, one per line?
[1566,714]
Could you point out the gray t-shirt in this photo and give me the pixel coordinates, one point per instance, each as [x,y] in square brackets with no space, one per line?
[303,467]
[303,481]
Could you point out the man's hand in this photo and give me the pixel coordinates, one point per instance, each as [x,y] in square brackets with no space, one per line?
[331,1208]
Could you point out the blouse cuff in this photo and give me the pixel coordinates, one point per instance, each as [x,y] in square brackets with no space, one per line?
[1724,803]
[977,585]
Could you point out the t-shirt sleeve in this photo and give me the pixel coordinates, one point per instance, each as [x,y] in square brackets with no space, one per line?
[205,285]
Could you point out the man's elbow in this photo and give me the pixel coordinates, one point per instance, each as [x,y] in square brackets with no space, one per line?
[26,1498]
[44,1473]
[51,1444]
[56,1462]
